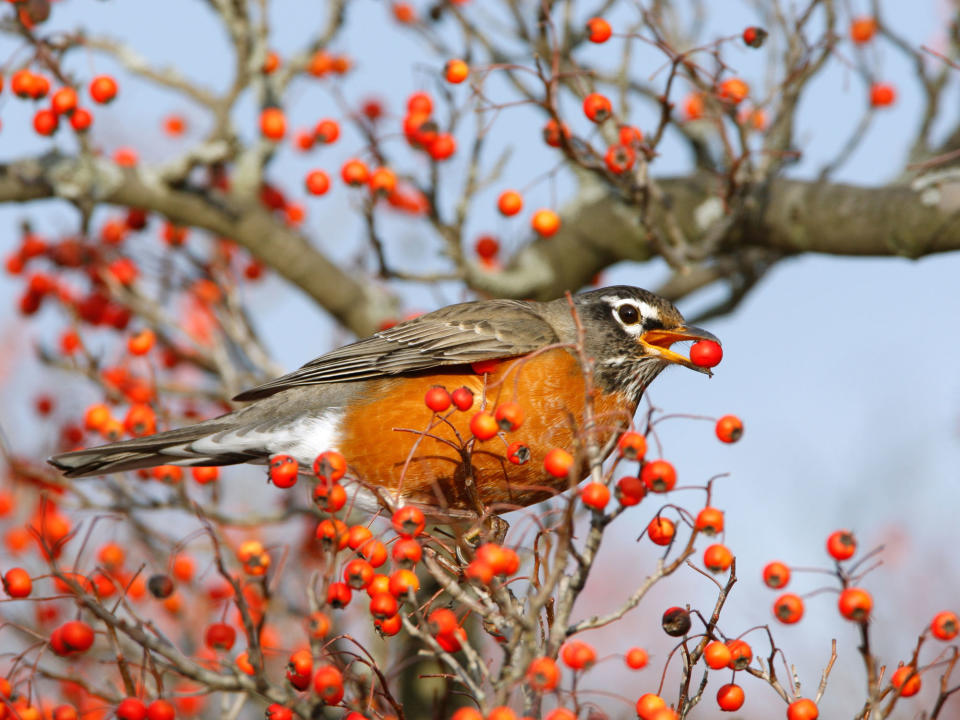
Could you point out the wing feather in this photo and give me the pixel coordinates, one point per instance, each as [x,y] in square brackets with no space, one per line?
[454,335]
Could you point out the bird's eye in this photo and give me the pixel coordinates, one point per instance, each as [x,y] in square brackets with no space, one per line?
[629,314]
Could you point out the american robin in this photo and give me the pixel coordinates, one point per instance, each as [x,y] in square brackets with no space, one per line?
[366,400]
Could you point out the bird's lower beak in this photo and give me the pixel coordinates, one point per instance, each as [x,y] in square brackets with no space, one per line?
[658,342]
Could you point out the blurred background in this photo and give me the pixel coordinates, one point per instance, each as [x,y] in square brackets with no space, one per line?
[842,369]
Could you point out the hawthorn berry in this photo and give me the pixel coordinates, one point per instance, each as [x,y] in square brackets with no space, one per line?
[740,654]
[220,636]
[906,678]
[408,521]
[595,495]
[754,36]
[456,71]
[729,429]
[543,675]
[717,558]
[484,425]
[619,158]
[661,531]
[855,604]
[358,574]
[788,608]
[318,625]
[484,367]
[776,575]
[326,131]
[273,123]
[161,710]
[598,30]
[509,416]
[882,94]
[437,399]
[632,446]
[330,466]
[802,709]
[160,586]
[636,658]
[65,712]
[357,536]
[402,582]
[328,684]
[862,29]
[502,560]
[141,342]
[443,146]
[284,470]
[518,453]
[131,708]
[510,202]
[382,181]
[945,625]
[332,534]
[103,89]
[329,497]
[733,90]
[64,101]
[486,247]
[552,132]
[354,172]
[558,462]
[597,107]
[630,490]
[648,704]
[730,697]
[339,595]
[841,544]
[545,222]
[717,655]
[374,552]
[676,621]
[578,655]
[77,636]
[317,182]
[706,353]
[17,583]
[45,122]
[383,605]
[205,474]
[709,521]
[659,476]
[406,552]
[276,711]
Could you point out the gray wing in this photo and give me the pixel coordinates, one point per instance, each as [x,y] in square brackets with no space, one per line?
[454,335]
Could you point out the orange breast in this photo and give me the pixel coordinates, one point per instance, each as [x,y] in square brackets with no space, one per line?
[391,441]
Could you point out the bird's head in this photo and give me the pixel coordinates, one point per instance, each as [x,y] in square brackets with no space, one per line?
[629,333]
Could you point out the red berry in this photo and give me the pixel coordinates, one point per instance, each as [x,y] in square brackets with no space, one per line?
[518,453]
[509,416]
[637,658]
[284,470]
[676,621]
[64,101]
[330,466]
[543,675]
[945,625]
[103,89]
[632,445]
[77,636]
[220,636]
[462,398]
[354,172]
[273,123]
[577,655]
[882,94]
[841,545]
[339,595]
[17,583]
[754,36]
[558,462]
[729,428]
[659,476]
[907,679]
[81,119]
[510,202]
[855,604]
[788,608]
[131,709]
[716,655]
[45,122]
[161,710]
[326,131]
[706,353]
[317,182]
[595,495]
[740,654]
[383,606]
[661,531]
[437,399]
[456,71]
[776,575]
[802,709]
[545,222]
[730,697]
[862,29]
[709,521]
[597,107]
[483,425]
[733,90]
[619,158]
[486,247]
[717,558]
[598,30]
[408,521]
[328,684]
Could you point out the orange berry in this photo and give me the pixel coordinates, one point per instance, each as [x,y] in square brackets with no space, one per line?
[595,495]
[855,604]
[661,531]
[509,416]
[709,521]
[740,654]
[717,558]
[402,582]
[597,107]
[578,655]
[383,181]
[330,466]
[558,462]
[483,425]
[45,122]
[456,71]
[693,106]
[907,679]
[706,353]
[205,474]
[730,697]
[552,132]
[733,90]
[945,625]
[729,428]
[317,182]
[103,89]
[802,709]
[545,222]
[273,123]
[510,202]
[437,399]
[632,445]
[404,13]
[776,575]
[788,608]
[543,675]
[81,119]
[841,545]
[408,521]
[754,36]
[17,583]
[96,417]
[64,101]
[882,94]
[598,30]
[636,658]
[717,655]
[630,491]
[442,146]
[862,29]
[648,704]
[659,476]
[354,172]
[619,158]
[142,342]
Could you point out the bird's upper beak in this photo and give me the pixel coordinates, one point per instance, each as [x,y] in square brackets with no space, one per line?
[658,342]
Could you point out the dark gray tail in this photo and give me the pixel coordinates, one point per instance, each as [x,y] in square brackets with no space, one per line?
[167,448]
